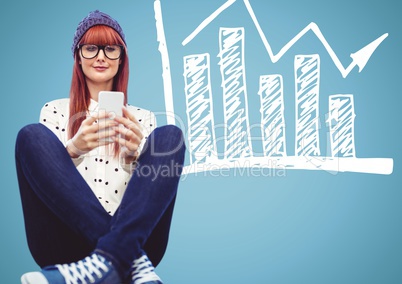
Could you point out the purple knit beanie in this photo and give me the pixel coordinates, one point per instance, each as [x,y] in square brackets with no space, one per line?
[95,18]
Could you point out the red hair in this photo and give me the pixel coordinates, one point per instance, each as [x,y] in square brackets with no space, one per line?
[79,93]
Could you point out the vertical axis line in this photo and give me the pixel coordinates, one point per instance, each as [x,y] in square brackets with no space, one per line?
[166,74]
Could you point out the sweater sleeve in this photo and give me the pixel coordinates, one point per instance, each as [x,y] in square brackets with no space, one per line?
[148,125]
[54,115]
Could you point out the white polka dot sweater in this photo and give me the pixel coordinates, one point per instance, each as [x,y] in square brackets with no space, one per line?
[104,173]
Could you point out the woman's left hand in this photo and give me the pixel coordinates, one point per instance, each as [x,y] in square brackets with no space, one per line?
[131,135]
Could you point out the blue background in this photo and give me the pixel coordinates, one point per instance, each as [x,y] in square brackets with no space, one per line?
[303,227]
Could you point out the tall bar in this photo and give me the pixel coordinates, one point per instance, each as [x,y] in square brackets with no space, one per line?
[307,75]
[201,133]
[233,73]
[272,115]
[341,124]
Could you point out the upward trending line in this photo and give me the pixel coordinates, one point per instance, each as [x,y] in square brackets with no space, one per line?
[359,58]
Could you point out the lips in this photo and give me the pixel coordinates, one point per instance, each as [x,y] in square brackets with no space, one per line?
[100,68]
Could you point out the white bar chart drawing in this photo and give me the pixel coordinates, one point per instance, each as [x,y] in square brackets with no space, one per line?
[199,107]
[307,79]
[238,150]
[272,115]
[233,72]
[341,123]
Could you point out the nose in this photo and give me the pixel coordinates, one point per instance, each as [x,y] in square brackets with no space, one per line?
[101,55]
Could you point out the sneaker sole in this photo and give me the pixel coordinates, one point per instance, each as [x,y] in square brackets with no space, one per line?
[33,278]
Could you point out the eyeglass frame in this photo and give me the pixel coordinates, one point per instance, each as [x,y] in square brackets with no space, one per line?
[101,47]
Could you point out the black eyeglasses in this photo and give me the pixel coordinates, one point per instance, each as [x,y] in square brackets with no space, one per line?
[89,51]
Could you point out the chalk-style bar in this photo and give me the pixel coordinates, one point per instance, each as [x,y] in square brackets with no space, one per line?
[233,73]
[201,133]
[272,115]
[307,75]
[341,125]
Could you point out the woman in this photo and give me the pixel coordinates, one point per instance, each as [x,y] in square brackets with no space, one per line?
[97,210]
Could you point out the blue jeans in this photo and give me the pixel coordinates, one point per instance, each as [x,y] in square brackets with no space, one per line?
[65,222]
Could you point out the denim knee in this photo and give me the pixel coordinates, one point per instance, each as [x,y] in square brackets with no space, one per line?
[168,137]
[30,131]
[26,134]
[33,137]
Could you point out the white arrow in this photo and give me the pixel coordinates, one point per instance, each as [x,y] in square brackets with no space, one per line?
[360,58]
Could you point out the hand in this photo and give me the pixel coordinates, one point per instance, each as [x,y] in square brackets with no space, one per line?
[91,135]
[131,135]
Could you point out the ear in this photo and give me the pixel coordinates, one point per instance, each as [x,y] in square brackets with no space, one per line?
[79,59]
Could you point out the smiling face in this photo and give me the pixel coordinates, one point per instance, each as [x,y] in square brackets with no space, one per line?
[100,71]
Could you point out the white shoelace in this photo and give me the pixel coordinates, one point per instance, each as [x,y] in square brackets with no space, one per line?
[143,271]
[83,270]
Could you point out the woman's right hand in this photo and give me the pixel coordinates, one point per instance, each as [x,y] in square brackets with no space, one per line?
[93,132]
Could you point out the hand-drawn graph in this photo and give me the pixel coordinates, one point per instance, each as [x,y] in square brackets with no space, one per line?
[238,150]
[272,115]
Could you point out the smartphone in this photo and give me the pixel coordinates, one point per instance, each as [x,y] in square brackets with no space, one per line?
[111,102]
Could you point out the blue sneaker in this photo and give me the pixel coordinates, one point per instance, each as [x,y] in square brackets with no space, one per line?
[94,269]
[143,272]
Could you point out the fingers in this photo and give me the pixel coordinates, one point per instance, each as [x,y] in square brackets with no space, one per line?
[132,127]
[99,120]
[105,134]
[128,138]
[130,131]
[128,148]
[101,129]
[128,120]
[95,131]
[129,115]
[95,117]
